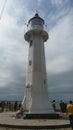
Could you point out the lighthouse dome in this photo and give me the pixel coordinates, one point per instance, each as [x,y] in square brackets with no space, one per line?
[36,22]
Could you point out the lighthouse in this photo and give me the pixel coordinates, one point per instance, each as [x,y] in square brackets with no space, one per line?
[36,101]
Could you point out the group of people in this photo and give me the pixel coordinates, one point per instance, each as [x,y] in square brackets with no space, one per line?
[65,108]
[9,106]
[61,106]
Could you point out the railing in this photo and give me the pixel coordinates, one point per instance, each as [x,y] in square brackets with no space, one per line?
[9,106]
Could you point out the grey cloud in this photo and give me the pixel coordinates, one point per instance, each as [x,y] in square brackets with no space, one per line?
[60,86]
[61,82]
[14,89]
[14,51]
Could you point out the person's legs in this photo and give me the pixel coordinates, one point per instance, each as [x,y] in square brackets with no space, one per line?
[71,121]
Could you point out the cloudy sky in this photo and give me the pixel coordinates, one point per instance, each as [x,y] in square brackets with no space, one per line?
[58,16]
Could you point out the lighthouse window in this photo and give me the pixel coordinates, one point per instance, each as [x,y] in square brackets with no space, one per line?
[31,41]
[37,22]
[30,62]
[44,81]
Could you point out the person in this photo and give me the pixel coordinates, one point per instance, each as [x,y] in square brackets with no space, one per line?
[15,106]
[70,113]
[0,106]
[63,106]
[54,105]
[19,113]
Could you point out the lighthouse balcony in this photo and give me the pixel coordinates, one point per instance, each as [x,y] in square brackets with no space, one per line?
[36,29]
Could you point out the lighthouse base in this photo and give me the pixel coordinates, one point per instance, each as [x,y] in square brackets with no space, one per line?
[42,116]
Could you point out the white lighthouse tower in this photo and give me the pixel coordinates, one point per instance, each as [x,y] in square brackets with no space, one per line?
[36,101]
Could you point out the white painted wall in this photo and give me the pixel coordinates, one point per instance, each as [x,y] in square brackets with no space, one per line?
[36,81]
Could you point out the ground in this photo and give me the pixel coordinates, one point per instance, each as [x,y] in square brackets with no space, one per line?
[7,118]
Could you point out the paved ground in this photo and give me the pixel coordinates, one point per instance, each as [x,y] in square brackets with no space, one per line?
[7,118]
